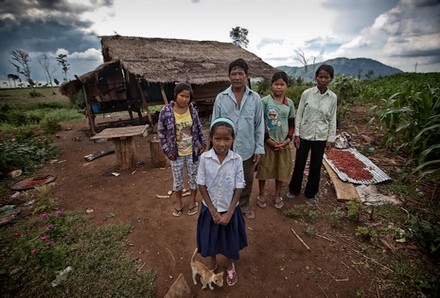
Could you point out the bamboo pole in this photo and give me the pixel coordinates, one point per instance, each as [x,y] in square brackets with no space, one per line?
[299,238]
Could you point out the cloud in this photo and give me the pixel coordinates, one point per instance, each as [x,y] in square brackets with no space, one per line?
[43,26]
[403,36]
[352,18]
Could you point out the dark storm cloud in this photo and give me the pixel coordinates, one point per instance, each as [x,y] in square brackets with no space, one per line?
[39,26]
[425,3]
[22,8]
[434,53]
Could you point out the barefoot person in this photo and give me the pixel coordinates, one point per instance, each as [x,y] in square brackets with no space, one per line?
[244,107]
[220,227]
[182,141]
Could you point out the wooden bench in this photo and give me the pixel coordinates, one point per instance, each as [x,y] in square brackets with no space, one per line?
[122,137]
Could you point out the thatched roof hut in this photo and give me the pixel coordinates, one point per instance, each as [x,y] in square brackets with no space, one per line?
[170,60]
[139,72]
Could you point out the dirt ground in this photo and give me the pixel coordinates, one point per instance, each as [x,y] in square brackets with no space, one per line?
[275,264]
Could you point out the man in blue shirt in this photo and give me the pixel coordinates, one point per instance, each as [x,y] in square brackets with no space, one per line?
[245,108]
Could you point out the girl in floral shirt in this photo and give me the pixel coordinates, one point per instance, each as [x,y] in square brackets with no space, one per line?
[182,141]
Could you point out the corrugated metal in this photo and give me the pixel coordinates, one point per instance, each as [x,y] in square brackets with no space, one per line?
[378,174]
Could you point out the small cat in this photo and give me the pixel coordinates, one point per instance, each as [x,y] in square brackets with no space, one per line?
[207,277]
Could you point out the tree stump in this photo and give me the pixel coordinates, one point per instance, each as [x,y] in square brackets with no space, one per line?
[158,159]
[125,152]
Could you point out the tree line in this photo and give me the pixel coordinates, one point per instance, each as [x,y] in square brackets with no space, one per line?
[21,62]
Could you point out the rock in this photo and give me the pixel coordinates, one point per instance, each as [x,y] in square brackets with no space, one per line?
[15,173]
[366,139]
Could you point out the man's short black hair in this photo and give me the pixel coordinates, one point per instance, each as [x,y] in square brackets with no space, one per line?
[239,63]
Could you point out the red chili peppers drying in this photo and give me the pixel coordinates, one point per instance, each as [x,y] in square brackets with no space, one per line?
[347,163]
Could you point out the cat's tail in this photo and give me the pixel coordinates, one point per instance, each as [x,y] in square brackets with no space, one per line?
[194,255]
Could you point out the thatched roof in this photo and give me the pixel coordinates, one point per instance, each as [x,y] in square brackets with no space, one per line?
[169,60]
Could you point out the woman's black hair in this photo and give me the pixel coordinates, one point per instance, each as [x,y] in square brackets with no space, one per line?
[181,87]
[327,68]
[239,63]
[280,75]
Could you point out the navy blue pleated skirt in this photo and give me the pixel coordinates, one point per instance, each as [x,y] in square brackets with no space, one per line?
[213,239]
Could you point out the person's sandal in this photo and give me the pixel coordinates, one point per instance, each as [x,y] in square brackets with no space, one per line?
[231,277]
[261,203]
[250,214]
[194,209]
[178,212]
[279,203]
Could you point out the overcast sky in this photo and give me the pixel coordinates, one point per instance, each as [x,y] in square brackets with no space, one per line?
[400,33]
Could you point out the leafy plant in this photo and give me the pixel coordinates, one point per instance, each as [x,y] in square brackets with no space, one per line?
[27,155]
[309,230]
[426,233]
[302,211]
[365,233]
[412,122]
[354,209]
[336,216]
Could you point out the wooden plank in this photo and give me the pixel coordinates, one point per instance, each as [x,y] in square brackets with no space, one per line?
[95,155]
[345,191]
[120,132]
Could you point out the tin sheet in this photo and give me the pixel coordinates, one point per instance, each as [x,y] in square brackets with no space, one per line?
[377,173]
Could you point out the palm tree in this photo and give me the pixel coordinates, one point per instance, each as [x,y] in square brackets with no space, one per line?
[239,36]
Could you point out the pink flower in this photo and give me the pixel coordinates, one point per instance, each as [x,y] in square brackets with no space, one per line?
[49,227]
[17,235]
[59,213]
[35,251]
[49,243]
[43,237]
[44,216]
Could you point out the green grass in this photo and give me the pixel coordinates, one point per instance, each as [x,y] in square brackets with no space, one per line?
[23,95]
[34,250]
[304,212]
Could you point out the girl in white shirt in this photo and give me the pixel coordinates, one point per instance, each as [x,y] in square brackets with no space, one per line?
[221,228]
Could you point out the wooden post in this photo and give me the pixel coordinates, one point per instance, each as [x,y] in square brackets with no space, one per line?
[90,115]
[164,95]
[150,118]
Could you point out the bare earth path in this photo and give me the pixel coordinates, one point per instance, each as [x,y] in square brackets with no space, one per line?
[275,264]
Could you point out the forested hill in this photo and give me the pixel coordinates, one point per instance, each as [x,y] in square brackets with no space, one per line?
[361,68]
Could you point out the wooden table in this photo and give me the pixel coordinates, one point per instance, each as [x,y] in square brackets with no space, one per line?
[122,137]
